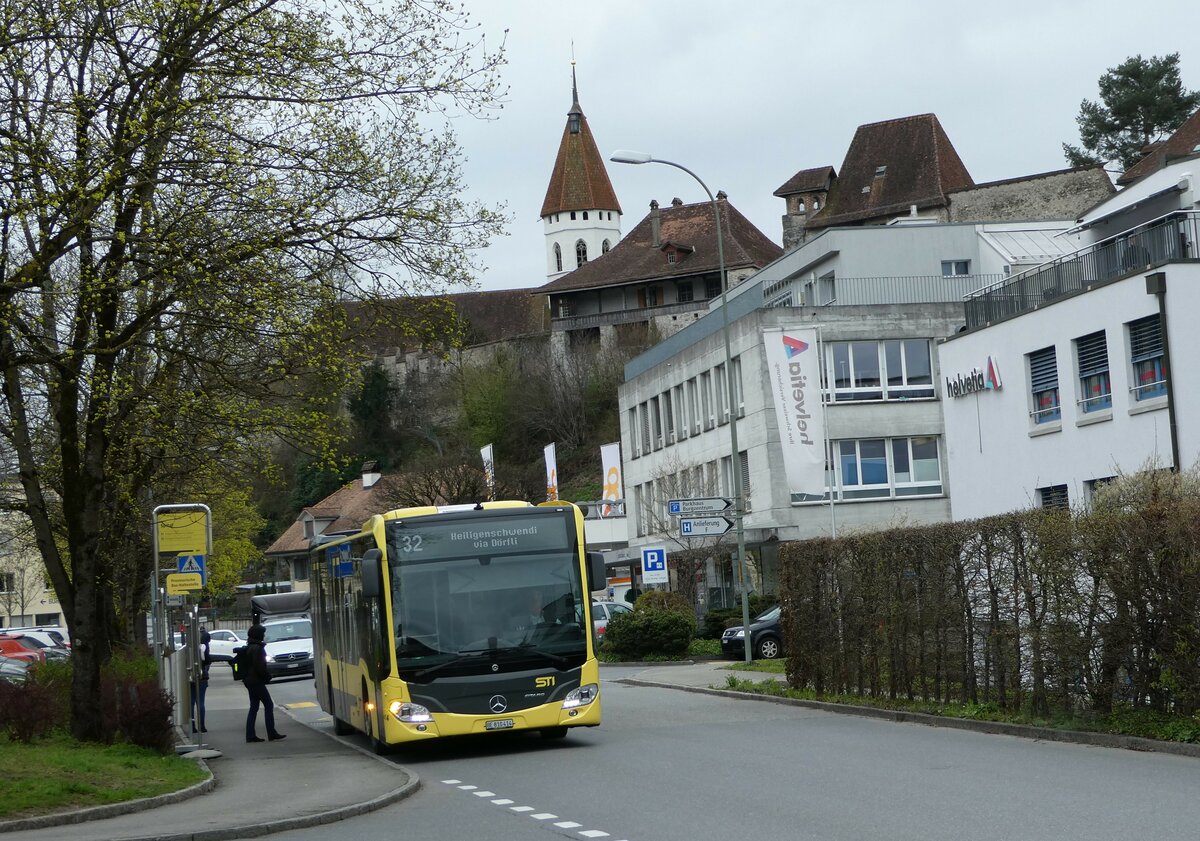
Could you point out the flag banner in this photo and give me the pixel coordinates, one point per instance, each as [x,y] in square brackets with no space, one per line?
[794,375]
[610,459]
[489,471]
[551,474]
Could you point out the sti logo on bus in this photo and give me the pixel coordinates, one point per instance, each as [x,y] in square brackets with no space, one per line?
[543,682]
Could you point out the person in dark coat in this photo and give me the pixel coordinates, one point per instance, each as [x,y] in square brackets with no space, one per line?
[200,689]
[256,679]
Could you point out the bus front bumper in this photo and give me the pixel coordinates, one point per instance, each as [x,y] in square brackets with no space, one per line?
[547,716]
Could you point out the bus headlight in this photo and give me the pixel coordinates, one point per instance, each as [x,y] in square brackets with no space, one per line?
[581,697]
[409,713]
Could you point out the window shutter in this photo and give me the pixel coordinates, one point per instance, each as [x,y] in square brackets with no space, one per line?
[1093,354]
[1145,338]
[1043,369]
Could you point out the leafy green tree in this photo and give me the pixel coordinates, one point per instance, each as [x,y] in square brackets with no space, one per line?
[1141,101]
[190,195]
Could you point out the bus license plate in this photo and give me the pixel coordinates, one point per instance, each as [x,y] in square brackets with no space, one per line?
[498,724]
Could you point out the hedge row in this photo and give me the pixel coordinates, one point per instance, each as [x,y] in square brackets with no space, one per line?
[1043,610]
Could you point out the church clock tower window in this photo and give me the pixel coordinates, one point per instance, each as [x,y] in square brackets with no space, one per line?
[557,258]
[580,252]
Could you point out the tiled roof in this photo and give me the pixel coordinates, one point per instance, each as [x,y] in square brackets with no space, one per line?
[1184,142]
[920,167]
[635,258]
[352,507]
[579,180]
[807,180]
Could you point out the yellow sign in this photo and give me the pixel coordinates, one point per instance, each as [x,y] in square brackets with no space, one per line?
[182,583]
[183,533]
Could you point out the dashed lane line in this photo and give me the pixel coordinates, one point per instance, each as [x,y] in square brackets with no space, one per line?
[530,811]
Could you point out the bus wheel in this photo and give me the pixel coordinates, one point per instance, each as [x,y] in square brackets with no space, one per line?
[553,732]
[340,727]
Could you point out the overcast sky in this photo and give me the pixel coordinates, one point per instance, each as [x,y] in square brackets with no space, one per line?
[746,94]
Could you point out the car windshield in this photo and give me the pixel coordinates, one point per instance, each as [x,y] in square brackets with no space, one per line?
[768,615]
[298,629]
[505,592]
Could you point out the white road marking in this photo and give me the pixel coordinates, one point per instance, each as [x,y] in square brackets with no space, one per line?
[468,788]
[521,808]
[484,793]
[568,825]
[543,816]
[593,833]
[539,816]
[504,802]
[451,782]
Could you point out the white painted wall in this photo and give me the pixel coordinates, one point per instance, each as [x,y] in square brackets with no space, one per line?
[998,457]
[566,231]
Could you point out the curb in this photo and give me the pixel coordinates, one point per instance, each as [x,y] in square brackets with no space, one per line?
[246,831]
[999,728]
[112,810]
[650,664]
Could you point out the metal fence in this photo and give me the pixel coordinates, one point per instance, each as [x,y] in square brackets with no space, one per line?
[1169,239]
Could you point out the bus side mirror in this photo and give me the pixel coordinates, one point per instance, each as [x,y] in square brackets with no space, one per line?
[595,571]
[372,581]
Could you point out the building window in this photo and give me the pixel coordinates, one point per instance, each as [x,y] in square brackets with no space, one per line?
[1043,382]
[656,422]
[668,416]
[557,257]
[585,213]
[300,569]
[684,292]
[722,393]
[681,421]
[744,459]
[827,289]
[880,468]
[605,246]
[693,406]
[572,215]
[1095,389]
[706,400]
[880,171]
[610,216]
[908,369]
[856,371]
[635,440]
[8,582]
[1053,496]
[1092,486]
[712,287]
[670,256]
[1146,354]
[580,253]
[739,398]
[647,441]
[956,268]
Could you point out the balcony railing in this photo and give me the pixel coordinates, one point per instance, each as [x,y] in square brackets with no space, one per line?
[1169,239]
[578,322]
[865,291]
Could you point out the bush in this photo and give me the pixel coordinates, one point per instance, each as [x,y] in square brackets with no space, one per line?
[661,600]
[29,710]
[649,633]
[144,715]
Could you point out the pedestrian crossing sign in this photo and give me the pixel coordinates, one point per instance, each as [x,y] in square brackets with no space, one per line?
[192,564]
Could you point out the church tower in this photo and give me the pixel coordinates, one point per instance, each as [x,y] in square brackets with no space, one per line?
[580,216]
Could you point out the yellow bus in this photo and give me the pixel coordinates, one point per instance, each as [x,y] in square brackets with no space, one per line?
[445,621]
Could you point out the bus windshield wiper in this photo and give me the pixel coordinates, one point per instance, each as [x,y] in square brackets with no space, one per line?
[530,648]
[459,657]
[472,653]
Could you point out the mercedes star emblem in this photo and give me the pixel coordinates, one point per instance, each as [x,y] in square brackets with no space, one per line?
[497,703]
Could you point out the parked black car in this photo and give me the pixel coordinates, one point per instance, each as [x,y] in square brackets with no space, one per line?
[765,637]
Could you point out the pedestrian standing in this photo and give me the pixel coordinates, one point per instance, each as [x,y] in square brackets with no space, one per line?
[256,679]
[200,688]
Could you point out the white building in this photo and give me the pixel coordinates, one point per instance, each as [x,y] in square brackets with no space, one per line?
[1085,347]
[882,296]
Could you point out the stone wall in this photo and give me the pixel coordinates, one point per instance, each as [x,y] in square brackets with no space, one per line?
[1057,195]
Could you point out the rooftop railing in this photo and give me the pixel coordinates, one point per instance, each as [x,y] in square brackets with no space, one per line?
[1168,239]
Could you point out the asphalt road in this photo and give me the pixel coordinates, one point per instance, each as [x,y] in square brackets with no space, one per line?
[668,765]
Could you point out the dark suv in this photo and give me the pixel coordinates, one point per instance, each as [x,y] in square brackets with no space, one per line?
[765,637]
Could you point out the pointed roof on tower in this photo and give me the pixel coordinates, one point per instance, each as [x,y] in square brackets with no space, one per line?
[579,180]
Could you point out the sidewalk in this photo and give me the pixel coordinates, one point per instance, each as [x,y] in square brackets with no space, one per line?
[308,779]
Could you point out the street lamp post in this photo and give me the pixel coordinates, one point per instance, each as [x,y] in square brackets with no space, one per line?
[735,464]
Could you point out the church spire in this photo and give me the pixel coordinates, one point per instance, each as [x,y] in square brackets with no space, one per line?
[579,180]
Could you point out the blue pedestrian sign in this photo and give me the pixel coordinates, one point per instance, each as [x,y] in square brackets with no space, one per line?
[194,564]
[654,565]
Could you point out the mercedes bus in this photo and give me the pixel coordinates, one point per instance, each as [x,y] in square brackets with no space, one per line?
[451,620]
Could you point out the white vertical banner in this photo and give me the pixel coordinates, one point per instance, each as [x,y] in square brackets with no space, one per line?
[489,471]
[610,459]
[794,373]
[551,474]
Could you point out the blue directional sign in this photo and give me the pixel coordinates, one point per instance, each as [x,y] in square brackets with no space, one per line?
[338,557]
[193,563]
[654,565]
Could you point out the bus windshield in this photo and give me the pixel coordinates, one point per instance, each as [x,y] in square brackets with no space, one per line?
[488,595]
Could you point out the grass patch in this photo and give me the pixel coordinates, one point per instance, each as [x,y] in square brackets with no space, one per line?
[774,667]
[59,773]
[704,648]
[1122,722]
